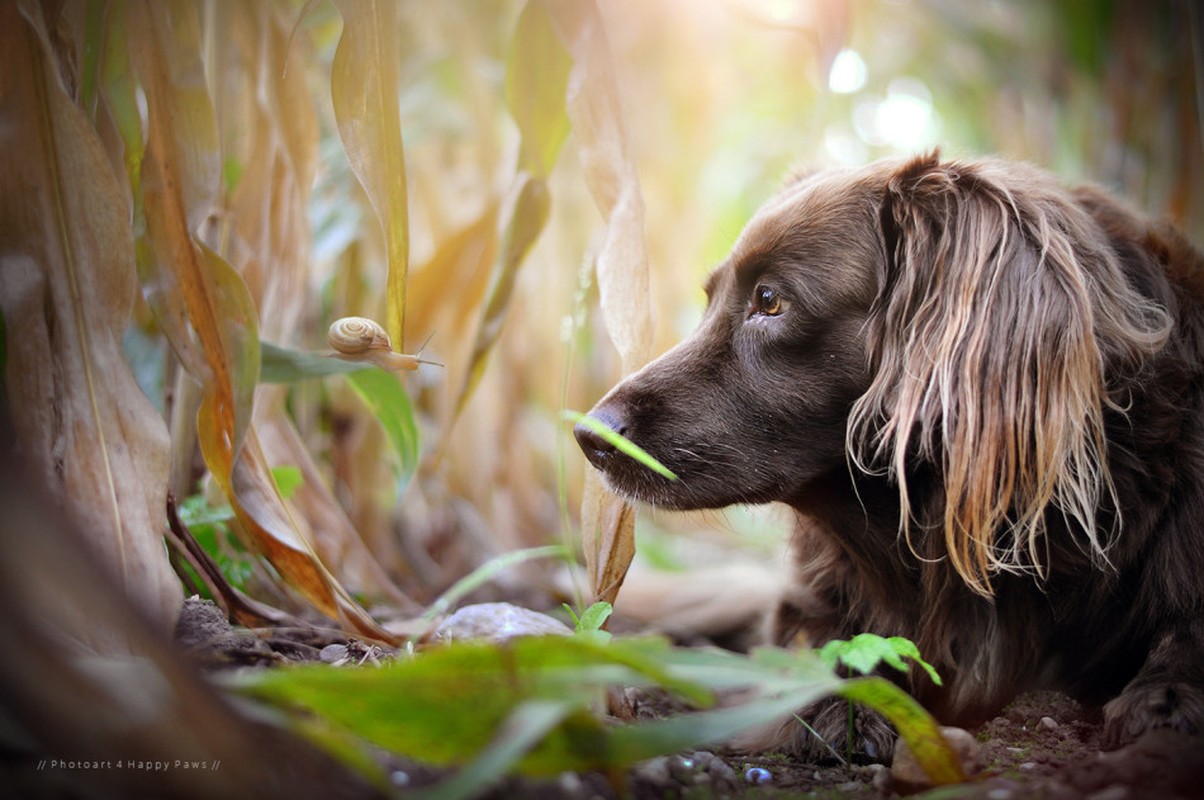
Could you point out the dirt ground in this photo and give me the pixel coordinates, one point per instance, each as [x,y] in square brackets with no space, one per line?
[1043,746]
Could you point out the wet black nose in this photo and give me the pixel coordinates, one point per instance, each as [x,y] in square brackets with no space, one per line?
[599,451]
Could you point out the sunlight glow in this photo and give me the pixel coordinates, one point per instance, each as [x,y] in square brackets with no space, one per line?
[782,10]
[904,119]
[848,72]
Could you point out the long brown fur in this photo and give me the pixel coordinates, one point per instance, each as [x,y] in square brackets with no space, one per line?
[983,395]
[1015,421]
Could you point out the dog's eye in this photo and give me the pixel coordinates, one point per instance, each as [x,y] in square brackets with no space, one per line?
[767,302]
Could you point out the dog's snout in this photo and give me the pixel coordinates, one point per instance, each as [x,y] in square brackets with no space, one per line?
[592,443]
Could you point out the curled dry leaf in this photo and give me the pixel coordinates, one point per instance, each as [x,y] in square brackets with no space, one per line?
[68,282]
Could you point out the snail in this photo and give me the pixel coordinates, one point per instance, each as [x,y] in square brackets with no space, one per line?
[362,339]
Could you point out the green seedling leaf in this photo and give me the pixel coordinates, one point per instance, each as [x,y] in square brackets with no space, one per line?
[196,511]
[387,398]
[624,445]
[865,652]
[210,527]
[594,617]
[589,624]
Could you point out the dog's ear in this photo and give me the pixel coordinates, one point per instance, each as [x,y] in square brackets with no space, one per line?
[1001,315]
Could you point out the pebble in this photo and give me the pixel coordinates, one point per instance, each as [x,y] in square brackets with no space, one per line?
[757,776]
[682,769]
[655,770]
[333,653]
[880,779]
[570,783]
[906,770]
[399,778]
[1048,723]
[721,773]
[498,622]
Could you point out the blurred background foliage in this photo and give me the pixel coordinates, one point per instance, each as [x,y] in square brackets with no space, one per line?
[721,99]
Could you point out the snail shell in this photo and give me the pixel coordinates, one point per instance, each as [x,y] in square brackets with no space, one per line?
[354,336]
[362,339]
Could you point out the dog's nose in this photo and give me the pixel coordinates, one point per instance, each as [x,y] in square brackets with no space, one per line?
[596,448]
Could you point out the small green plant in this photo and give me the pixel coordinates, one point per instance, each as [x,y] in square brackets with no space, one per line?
[529,705]
[209,524]
[863,654]
[589,624]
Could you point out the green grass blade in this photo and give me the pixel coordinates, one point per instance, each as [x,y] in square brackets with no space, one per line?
[620,442]
[483,573]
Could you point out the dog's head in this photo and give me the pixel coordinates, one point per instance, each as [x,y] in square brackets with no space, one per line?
[960,319]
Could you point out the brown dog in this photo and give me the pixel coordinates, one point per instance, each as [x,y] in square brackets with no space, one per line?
[984,396]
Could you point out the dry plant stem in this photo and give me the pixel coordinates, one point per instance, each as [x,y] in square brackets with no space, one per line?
[185,401]
[246,611]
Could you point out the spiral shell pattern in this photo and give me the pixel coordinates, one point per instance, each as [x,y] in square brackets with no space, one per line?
[356,336]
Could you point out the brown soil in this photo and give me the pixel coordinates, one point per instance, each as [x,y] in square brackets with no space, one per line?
[1043,746]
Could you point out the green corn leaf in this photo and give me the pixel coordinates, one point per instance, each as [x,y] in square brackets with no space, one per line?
[387,398]
[283,365]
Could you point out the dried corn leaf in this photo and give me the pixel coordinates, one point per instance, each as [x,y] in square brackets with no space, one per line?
[527,218]
[179,184]
[179,180]
[597,118]
[607,524]
[334,535]
[365,88]
[261,513]
[536,80]
[536,76]
[68,282]
[461,260]
[607,536]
